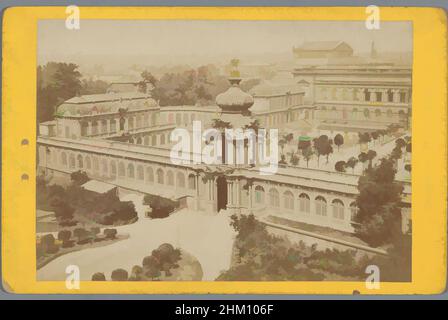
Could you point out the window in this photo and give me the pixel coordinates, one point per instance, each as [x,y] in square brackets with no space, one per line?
[140,173]
[121,170]
[149,175]
[353,210]
[84,127]
[379,96]
[96,164]
[180,180]
[390,96]
[367,113]
[88,163]
[191,181]
[377,113]
[94,128]
[139,121]
[64,159]
[104,167]
[131,123]
[170,178]
[338,209]
[72,162]
[321,206]
[113,169]
[304,203]
[113,126]
[104,126]
[153,140]
[259,195]
[288,200]
[366,95]
[274,200]
[131,171]
[160,176]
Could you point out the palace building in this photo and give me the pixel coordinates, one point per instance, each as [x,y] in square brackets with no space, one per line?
[123,139]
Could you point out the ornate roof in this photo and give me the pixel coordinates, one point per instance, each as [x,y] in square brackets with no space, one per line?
[105,103]
[235,100]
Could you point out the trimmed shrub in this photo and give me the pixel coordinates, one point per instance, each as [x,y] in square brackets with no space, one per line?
[99,276]
[119,275]
[110,233]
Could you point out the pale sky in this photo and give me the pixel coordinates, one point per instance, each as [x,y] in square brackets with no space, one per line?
[199,37]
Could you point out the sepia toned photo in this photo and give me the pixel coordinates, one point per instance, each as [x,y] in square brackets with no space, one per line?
[205,150]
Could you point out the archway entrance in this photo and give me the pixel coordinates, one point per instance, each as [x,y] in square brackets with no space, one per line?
[222,192]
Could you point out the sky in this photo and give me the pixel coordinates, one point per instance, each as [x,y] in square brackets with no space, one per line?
[199,37]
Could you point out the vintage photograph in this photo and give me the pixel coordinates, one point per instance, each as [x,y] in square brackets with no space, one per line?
[206,150]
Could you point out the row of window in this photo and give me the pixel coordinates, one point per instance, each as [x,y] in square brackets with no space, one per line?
[101,126]
[130,171]
[367,95]
[320,203]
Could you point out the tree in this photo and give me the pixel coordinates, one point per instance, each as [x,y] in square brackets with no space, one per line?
[90,86]
[371,154]
[362,157]
[408,167]
[364,138]
[56,83]
[136,273]
[340,166]
[323,147]
[351,163]
[79,177]
[400,143]
[62,210]
[147,78]
[338,140]
[254,125]
[110,233]
[282,143]
[81,234]
[220,125]
[295,159]
[64,235]
[119,275]
[379,214]
[98,276]
[409,147]
[307,153]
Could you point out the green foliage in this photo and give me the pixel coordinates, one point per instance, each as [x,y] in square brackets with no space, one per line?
[90,86]
[307,153]
[119,275]
[379,214]
[56,82]
[340,166]
[335,261]
[190,87]
[338,140]
[161,207]
[323,147]
[261,256]
[110,233]
[79,177]
[164,258]
[351,163]
[64,235]
[99,276]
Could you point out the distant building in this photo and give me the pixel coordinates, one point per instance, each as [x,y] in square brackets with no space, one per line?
[323,49]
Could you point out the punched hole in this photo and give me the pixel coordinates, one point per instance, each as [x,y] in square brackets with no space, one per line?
[25,176]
